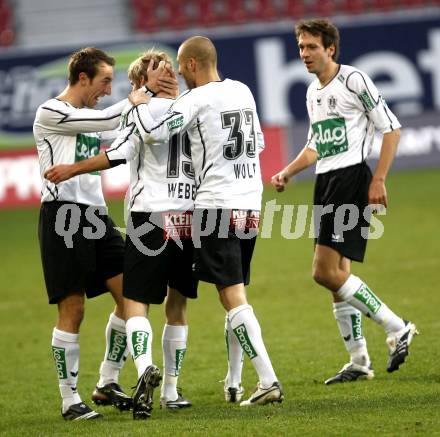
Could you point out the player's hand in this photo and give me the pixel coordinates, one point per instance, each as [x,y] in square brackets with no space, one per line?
[59,173]
[138,96]
[279,181]
[377,193]
[154,74]
[168,83]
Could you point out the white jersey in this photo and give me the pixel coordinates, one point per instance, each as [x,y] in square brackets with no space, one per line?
[221,122]
[161,175]
[64,135]
[343,116]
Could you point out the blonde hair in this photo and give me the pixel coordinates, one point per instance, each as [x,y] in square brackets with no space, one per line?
[138,68]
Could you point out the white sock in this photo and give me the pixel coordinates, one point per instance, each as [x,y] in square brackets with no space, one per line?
[357,293]
[247,329]
[65,348]
[139,339]
[349,321]
[174,348]
[116,351]
[235,356]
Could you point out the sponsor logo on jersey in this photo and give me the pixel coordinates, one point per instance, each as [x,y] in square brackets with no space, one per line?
[356,324]
[87,146]
[330,136]
[243,338]
[118,344]
[174,124]
[368,298]
[140,343]
[341,78]
[243,219]
[180,354]
[59,355]
[367,100]
[177,225]
[123,121]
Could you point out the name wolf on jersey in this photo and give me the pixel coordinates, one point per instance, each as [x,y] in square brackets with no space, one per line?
[243,171]
[177,225]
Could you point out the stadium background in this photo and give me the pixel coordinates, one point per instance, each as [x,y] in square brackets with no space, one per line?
[397,42]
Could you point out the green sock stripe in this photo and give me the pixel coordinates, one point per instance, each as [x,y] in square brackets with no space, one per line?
[180,355]
[227,342]
[117,346]
[368,298]
[59,355]
[243,338]
[356,326]
[139,340]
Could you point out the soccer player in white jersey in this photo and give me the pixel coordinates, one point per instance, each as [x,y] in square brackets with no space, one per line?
[345,108]
[220,119]
[78,263]
[162,191]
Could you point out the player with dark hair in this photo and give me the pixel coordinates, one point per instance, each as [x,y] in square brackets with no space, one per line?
[65,131]
[345,108]
[162,193]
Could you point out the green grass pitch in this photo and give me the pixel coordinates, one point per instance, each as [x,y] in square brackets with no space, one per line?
[298,326]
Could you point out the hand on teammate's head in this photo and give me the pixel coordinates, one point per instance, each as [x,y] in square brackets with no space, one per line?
[136,97]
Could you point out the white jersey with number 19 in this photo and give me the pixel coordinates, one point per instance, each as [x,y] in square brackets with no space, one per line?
[221,122]
[161,174]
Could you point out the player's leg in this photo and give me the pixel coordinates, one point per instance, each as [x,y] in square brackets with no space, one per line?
[108,276]
[233,388]
[139,338]
[108,391]
[65,272]
[144,284]
[248,332]
[351,289]
[65,348]
[139,334]
[349,321]
[174,338]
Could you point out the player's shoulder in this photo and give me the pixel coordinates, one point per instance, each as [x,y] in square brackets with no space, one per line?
[56,105]
[312,88]
[53,107]
[352,77]
[161,102]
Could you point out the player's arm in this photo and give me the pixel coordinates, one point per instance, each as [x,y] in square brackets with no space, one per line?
[62,172]
[70,120]
[304,159]
[179,116]
[377,194]
[372,103]
[123,149]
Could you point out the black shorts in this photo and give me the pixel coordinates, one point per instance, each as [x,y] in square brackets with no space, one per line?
[347,190]
[224,256]
[154,260]
[72,262]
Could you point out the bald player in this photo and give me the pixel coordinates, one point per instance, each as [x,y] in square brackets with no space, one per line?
[219,118]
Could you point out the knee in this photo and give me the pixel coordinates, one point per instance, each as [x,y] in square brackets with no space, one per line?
[175,311]
[323,275]
[70,320]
